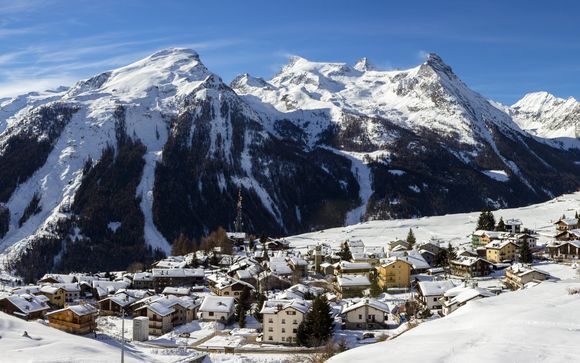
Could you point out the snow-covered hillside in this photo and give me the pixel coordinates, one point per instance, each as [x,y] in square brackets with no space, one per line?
[546,115]
[454,228]
[48,345]
[532,325]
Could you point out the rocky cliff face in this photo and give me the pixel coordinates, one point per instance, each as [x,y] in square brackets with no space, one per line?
[110,171]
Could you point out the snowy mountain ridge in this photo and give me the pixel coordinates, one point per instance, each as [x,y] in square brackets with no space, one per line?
[546,115]
[162,146]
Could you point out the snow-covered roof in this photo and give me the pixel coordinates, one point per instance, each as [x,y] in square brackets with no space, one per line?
[178,272]
[461,294]
[27,303]
[413,257]
[221,304]
[274,306]
[521,269]
[79,310]
[160,309]
[345,266]
[170,290]
[499,244]
[468,260]
[435,288]
[143,276]
[353,280]
[379,305]
[513,222]
[568,221]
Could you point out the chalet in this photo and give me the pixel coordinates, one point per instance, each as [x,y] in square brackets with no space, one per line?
[25,306]
[104,288]
[456,297]
[217,308]
[167,312]
[568,235]
[143,280]
[279,266]
[566,224]
[470,267]
[227,286]
[366,314]
[170,262]
[433,247]
[353,268]
[501,251]
[75,319]
[57,279]
[565,250]
[281,319]
[482,237]
[351,285]
[394,273]
[518,275]
[120,302]
[398,244]
[177,277]
[429,293]
[513,226]
[520,238]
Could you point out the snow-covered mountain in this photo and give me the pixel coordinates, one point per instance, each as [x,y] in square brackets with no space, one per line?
[130,158]
[545,115]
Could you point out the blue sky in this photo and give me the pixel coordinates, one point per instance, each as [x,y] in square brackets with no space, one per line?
[503,49]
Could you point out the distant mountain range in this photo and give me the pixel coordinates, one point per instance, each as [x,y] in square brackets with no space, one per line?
[113,169]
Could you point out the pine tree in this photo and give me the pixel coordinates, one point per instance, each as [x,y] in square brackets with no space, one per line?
[318,326]
[245,298]
[241,314]
[259,304]
[500,225]
[345,253]
[486,221]
[411,240]
[375,289]
[451,254]
[526,255]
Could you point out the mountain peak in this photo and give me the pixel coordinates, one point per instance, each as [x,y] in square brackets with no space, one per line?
[364,65]
[436,63]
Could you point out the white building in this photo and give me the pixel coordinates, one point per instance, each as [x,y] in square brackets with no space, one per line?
[281,319]
[217,308]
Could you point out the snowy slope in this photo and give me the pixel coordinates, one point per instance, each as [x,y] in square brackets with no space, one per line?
[546,115]
[454,228]
[533,325]
[46,344]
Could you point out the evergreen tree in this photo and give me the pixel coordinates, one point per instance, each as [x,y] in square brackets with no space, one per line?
[451,254]
[259,304]
[345,253]
[576,215]
[500,225]
[375,289]
[241,316]
[440,258]
[245,298]
[486,221]
[411,240]
[318,325]
[526,255]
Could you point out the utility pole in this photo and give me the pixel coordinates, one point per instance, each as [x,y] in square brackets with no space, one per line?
[122,335]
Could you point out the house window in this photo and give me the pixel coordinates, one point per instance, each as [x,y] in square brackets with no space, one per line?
[211,313]
[270,329]
[360,316]
[283,321]
[283,339]
[270,320]
[295,322]
[294,330]
[226,293]
[270,338]
[283,330]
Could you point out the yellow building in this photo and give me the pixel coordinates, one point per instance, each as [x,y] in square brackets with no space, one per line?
[499,251]
[394,273]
